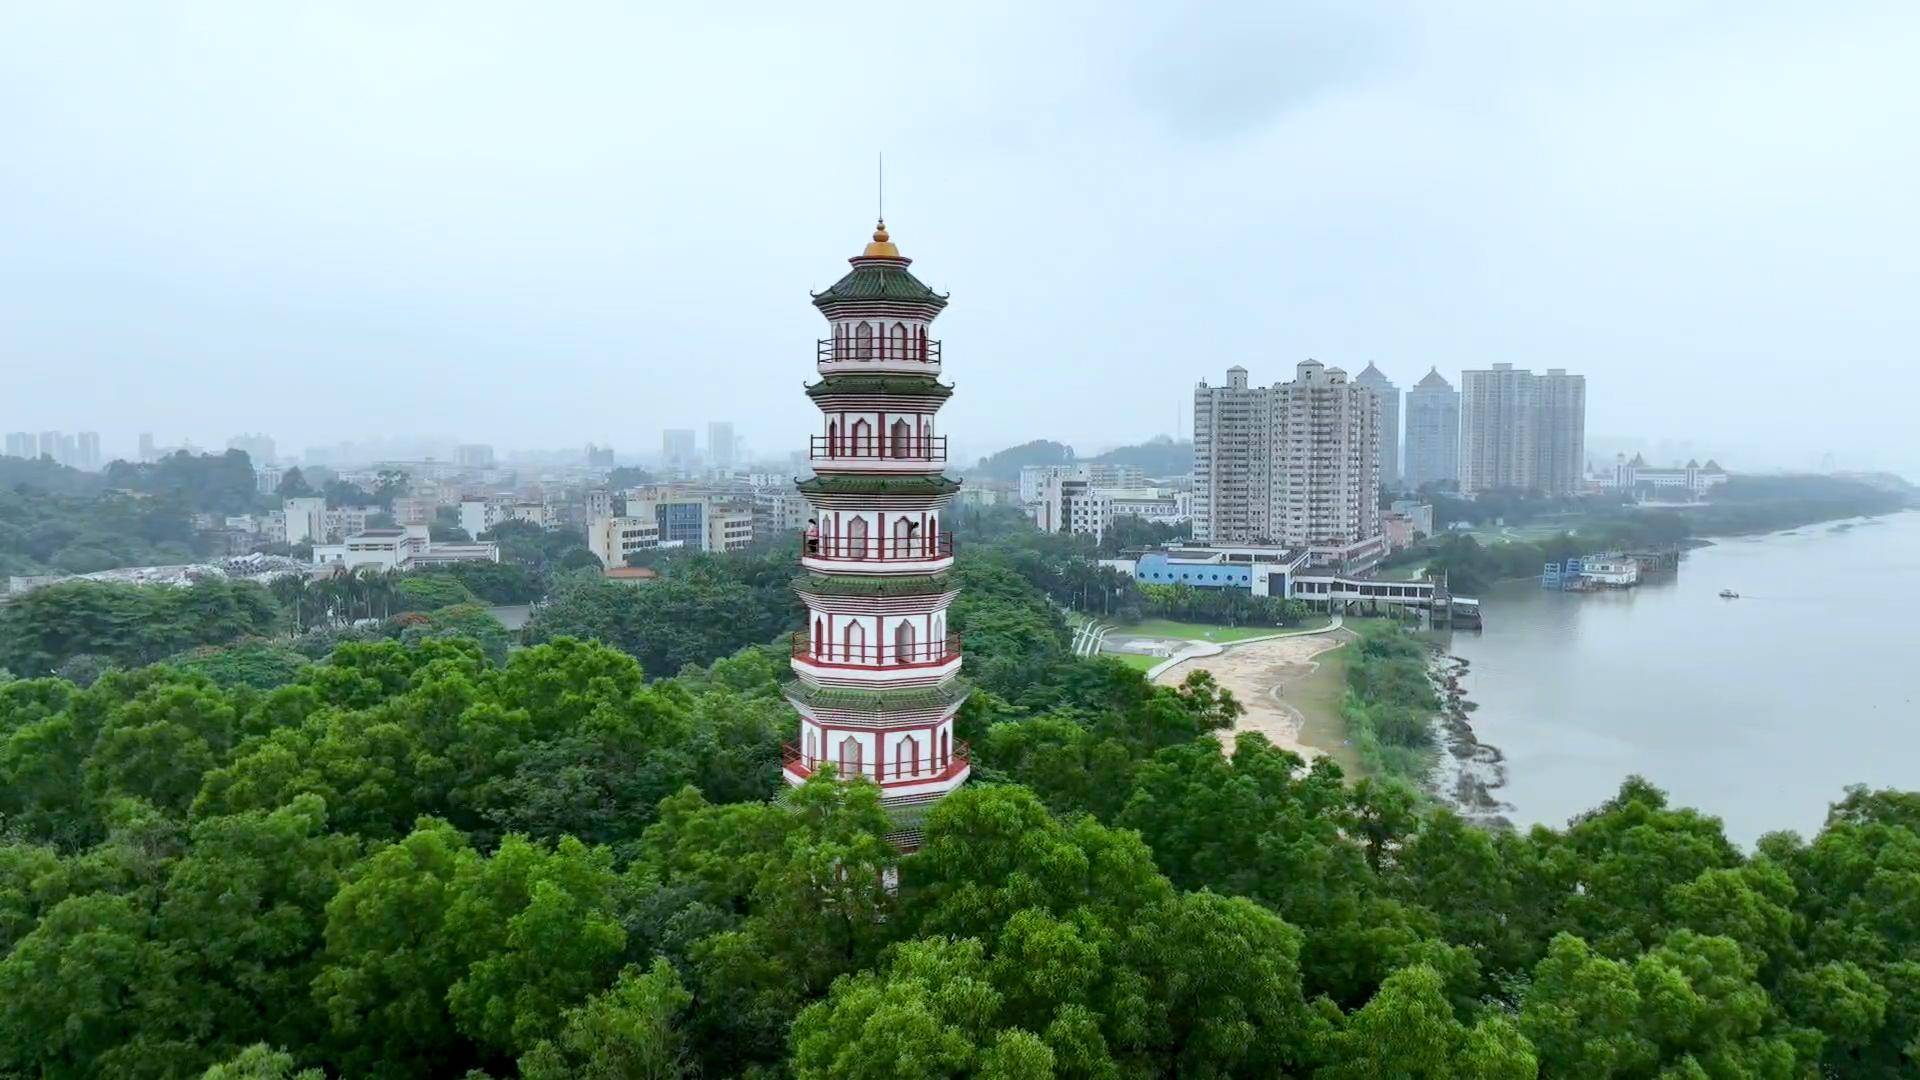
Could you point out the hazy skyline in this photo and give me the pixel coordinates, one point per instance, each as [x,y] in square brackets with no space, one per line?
[587,222]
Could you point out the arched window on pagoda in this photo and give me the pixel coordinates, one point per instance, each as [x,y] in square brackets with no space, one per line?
[862,433]
[819,636]
[853,642]
[946,748]
[903,530]
[902,439]
[906,757]
[833,438]
[903,650]
[857,538]
[900,341]
[937,638]
[863,342]
[850,764]
[813,746]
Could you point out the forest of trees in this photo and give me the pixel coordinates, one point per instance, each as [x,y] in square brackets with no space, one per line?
[407,857]
[60,520]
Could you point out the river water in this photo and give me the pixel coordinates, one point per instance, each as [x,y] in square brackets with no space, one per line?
[1758,710]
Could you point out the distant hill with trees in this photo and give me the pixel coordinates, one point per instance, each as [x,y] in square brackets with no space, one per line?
[1161,455]
[55,519]
[1006,464]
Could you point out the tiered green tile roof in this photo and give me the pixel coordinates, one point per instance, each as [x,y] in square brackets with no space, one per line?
[903,699]
[878,280]
[879,485]
[900,385]
[860,585]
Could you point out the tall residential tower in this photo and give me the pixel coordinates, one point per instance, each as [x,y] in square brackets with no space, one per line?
[1522,431]
[1296,464]
[878,671]
[1433,432]
[1560,431]
[1376,380]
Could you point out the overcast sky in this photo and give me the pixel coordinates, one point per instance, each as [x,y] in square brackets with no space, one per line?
[540,224]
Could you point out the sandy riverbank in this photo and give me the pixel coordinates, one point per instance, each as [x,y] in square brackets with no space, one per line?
[1259,674]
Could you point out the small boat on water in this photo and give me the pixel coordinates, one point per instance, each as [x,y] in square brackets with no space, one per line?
[1729,594]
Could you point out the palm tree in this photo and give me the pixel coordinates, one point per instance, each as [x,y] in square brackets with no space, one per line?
[292,592]
[366,583]
[380,587]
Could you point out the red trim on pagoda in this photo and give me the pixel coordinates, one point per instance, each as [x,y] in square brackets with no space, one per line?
[798,767]
[881,349]
[875,657]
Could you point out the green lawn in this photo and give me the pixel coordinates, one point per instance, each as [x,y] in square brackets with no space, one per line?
[1136,660]
[1167,628]
[1318,696]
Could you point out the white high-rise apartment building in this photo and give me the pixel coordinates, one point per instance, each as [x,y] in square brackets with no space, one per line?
[1295,464]
[1433,431]
[1496,429]
[1522,431]
[1234,429]
[1560,431]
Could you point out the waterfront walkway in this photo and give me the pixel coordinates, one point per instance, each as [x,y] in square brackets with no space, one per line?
[1197,649]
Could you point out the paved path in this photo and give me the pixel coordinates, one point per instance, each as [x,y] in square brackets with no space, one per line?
[1196,649]
[1089,637]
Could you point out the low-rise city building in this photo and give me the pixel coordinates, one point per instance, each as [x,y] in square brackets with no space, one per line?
[400,548]
[482,514]
[779,510]
[612,538]
[1071,502]
[1692,479]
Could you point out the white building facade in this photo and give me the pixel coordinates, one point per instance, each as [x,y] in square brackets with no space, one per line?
[1522,431]
[401,549]
[1296,464]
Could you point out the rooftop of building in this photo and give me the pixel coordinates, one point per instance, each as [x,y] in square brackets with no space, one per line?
[879,273]
[1373,376]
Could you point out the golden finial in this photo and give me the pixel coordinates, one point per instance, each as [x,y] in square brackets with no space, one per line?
[881,248]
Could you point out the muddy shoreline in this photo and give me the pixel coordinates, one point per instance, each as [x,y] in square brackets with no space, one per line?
[1469,773]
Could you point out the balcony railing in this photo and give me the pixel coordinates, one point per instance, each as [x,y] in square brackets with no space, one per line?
[881,550]
[886,448]
[886,655]
[930,767]
[880,350]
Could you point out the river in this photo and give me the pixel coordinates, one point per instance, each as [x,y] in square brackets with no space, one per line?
[1759,710]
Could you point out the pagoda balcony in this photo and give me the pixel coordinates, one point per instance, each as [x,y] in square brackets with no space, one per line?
[893,453]
[839,555]
[829,663]
[932,771]
[840,355]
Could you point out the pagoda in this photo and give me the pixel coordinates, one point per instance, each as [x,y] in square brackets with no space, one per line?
[877,670]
